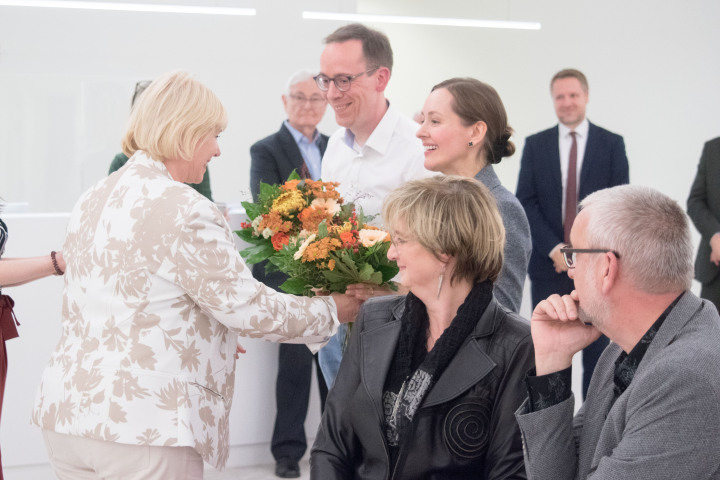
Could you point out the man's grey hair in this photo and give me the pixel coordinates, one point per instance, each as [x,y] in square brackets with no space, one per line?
[299,76]
[649,231]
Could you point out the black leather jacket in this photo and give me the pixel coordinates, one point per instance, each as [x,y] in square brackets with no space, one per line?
[465,427]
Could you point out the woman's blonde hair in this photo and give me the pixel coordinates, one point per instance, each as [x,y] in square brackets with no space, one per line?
[455,216]
[172,116]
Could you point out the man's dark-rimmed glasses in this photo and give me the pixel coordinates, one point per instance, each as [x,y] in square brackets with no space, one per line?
[570,254]
[342,82]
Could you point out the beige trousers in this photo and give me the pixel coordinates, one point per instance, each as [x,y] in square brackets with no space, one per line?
[78,458]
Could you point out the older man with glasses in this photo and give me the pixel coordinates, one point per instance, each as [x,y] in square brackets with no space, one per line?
[299,146]
[653,406]
[375,150]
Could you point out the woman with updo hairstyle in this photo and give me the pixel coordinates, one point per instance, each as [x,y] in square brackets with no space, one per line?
[429,384]
[465,130]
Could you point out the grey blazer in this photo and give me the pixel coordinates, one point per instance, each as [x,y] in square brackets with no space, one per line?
[518,244]
[666,425]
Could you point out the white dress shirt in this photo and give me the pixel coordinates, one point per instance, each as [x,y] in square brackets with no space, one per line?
[391,156]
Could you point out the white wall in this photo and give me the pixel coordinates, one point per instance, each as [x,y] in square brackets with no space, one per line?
[66,78]
[652,68]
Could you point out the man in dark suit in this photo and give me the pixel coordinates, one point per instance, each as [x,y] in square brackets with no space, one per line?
[703,207]
[296,146]
[653,408]
[577,154]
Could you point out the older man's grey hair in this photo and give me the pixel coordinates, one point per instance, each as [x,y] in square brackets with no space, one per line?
[650,232]
[299,76]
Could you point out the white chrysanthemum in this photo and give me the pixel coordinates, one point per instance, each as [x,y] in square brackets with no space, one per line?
[256,223]
[304,245]
[267,233]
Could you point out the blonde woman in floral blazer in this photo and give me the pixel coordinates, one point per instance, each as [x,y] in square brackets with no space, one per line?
[141,382]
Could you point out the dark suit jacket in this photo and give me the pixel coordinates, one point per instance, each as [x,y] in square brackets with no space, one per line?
[665,425]
[464,427]
[703,207]
[272,161]
[540,186]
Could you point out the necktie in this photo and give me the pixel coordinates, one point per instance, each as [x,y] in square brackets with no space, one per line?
[571,189]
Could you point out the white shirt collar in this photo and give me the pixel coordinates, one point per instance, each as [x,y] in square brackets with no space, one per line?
[581,130]
[379,139]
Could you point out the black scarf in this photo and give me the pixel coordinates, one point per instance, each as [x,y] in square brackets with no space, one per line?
[414,370]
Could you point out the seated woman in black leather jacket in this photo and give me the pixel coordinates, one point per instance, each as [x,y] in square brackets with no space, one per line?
[430,380]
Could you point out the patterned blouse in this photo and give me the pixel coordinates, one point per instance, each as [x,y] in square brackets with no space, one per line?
[155,296]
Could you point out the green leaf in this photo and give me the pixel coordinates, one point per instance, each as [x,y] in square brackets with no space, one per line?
[257,253]
[347,265]
[271,268]
[295,286]
[336,276]
[388,272]
[268,193]
[346,210]
[362,219]
[322,229]
[294,175]
[246,234]
[368,275]
[252,210]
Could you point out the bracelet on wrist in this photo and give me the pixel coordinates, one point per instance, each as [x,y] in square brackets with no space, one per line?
[58,271]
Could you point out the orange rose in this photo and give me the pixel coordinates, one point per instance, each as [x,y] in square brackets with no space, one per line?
[347,237]
[279,239]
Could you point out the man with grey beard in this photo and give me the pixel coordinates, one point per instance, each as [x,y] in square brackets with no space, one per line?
[653,406]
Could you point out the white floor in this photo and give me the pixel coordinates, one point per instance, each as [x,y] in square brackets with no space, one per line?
[260,472]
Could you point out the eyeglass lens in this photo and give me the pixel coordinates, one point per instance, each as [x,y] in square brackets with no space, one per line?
[569,258]
[342,82]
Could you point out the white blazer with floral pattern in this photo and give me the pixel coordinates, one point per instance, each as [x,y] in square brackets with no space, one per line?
[155,296]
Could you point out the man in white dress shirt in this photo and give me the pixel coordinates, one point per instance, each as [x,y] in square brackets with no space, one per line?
[375,150]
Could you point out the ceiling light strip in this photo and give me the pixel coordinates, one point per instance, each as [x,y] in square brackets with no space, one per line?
[129,7]
[446,22]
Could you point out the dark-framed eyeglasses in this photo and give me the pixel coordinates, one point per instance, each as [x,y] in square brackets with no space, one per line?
[342,82]
[570,254]
[314,100]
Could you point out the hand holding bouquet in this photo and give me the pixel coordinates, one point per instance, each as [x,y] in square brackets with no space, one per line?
[305,230]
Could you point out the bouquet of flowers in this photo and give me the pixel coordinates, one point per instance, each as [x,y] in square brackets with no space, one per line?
[305,230]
